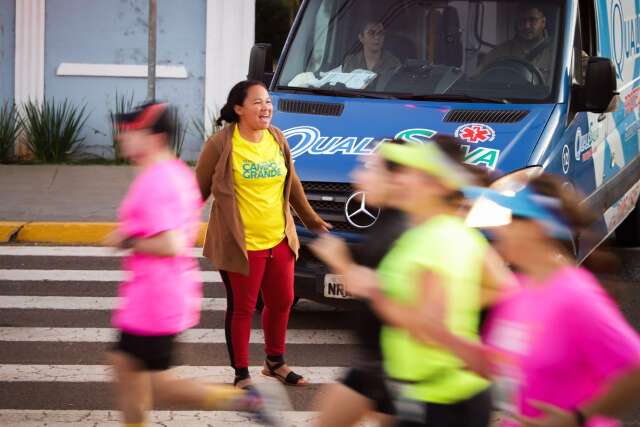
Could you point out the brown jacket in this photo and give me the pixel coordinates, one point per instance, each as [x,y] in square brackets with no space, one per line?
[224,243]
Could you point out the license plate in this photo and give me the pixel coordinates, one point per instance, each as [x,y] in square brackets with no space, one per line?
[334,288]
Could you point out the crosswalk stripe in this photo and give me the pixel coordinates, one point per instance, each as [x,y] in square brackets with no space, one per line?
[102,373]
[211,336]
[78,418]
[85,303]
[109,303]
[83,275]
[68,251]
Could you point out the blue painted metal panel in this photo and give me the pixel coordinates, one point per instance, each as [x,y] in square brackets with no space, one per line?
[115,32]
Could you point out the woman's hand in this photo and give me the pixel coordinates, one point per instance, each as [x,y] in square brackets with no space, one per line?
[320,226]
[332,251]
[361,282]
[114,239]
[553,416]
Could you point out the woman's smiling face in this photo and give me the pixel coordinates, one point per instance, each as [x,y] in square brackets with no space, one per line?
[256,111]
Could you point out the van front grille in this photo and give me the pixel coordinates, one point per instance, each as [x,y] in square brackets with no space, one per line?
[310,107]
[328,199]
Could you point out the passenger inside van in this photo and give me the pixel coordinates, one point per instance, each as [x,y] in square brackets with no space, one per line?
[373,56]
[531,43]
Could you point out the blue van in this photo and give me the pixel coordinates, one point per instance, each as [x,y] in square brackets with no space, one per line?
[548,84]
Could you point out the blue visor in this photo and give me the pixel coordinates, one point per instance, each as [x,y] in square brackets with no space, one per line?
[492,208]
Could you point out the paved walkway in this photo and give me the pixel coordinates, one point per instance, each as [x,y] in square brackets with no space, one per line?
[63,193]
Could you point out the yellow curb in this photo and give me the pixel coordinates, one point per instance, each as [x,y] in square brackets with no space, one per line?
[71,233]
[8,229]
[202,234]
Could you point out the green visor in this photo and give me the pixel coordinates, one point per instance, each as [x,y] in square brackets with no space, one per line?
[425,157]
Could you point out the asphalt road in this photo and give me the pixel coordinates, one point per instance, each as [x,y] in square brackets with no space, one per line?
[55,309]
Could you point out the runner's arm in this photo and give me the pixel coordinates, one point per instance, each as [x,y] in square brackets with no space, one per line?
[425,320]
[619,397]
[166,244]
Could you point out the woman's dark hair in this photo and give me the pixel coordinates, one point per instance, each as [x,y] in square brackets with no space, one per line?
[236,96]
[578,218]
[571,211]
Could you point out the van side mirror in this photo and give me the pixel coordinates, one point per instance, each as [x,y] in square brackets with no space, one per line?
[600,86]
[261,63]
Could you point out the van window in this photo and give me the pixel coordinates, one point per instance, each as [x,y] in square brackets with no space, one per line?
[413,48]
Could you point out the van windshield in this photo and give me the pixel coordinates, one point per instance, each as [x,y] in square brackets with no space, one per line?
[500,50]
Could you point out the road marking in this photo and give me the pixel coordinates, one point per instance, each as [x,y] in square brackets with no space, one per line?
[86,303]
[83,275]
[209,336]
[69,251]
[79,418]
[109,303]
[102,373]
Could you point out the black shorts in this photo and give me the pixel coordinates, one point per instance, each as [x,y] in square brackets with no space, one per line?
[473,412]
[155,352]
[372,386]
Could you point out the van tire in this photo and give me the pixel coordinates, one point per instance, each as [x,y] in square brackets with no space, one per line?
[628,232]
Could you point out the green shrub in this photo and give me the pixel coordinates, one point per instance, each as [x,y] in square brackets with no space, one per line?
[53,130]
[9,128]
[179,132]
[200,128]
[123,104]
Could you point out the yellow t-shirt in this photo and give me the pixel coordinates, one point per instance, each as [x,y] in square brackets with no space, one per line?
[259,173]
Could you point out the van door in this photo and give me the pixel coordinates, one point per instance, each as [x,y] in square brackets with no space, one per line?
[586,132]
[617,40]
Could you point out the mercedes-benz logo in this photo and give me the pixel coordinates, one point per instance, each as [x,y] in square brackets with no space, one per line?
[358,213]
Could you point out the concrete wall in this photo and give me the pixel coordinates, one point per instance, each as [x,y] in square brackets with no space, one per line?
[7,47]
[115,32]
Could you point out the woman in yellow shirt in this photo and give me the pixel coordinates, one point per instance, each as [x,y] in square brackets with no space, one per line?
[252,238]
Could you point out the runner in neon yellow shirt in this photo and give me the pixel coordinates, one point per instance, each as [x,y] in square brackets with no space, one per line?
[439,258]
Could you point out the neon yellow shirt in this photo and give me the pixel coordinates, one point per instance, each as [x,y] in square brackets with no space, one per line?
[446,247]
[259,173]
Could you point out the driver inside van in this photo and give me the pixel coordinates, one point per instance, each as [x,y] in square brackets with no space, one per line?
[531,43]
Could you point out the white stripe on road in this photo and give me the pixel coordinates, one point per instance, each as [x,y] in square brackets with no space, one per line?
[83,275]
[68,251]
[78,418]
[109,303]
[210,336]
[86,303]
[102,373]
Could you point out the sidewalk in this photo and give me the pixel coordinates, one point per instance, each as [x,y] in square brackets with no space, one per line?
[61,204]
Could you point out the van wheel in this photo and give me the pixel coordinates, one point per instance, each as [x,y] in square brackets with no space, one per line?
[628,233]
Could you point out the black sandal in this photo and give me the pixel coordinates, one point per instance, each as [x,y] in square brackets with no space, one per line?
[292,379]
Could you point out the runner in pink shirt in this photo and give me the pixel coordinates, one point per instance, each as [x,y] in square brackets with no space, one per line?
[557,348]
[159,223]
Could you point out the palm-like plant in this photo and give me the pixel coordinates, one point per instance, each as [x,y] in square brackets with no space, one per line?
[53,130]
[179,132]
[123,104]
[9,128]
[200,127]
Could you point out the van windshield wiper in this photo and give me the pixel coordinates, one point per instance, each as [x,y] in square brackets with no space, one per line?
[455,97]
[338,92]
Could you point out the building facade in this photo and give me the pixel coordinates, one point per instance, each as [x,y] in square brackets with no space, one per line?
[86,51]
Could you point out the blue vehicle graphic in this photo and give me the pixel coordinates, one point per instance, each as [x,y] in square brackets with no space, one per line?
[549,84]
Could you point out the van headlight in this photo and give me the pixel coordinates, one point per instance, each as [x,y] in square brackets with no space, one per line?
[515,181]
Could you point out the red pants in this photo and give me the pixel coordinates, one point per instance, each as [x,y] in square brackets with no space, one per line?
[270,271]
